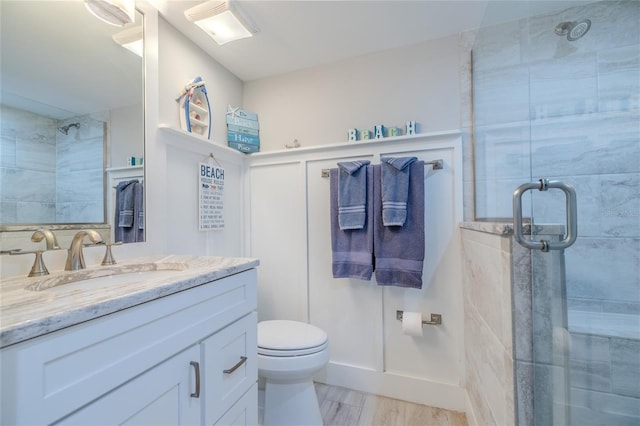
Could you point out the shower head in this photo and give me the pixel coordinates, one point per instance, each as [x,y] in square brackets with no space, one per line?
[573,30]
[65,129]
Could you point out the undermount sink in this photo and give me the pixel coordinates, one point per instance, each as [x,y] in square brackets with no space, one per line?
[111,275]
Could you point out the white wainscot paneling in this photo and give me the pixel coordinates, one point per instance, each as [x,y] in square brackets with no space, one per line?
[437,355]
[278,239]
[347,309]
[290,233]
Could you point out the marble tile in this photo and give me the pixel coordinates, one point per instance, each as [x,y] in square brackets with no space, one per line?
[592,144]
[625,367]
[589,348]
[485,366]
[524,384]
[591,375]
[27,185]
[475,391]
[8,211]
[522,302]
[631,307]
[498,46]
[35,212]
[614,276]
[619,79]
[485,283]
[608,403]
[564,86]
[587,416]
[36,152]
[82,154]
[502,152]
[80,186]
[7,150]
[607,205]
[494,198]
[605,324]
[501,95]
[78,212]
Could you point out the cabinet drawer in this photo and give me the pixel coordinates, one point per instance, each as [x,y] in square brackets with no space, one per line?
[230,366]
[243,412]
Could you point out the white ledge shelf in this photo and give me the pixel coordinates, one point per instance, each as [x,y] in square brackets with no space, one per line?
[125,168]
[198,142]
[195,142]
[361,143]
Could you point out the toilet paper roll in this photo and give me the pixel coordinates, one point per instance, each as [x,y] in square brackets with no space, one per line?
[412,323]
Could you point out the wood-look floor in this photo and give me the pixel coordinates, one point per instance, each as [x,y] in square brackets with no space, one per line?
[346,407]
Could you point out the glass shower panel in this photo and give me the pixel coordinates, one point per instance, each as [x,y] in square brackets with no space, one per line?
[557,96]
[585,130]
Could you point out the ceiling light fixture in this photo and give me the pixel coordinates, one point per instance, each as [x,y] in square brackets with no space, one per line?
[114,12]
[131,39]
[222,20]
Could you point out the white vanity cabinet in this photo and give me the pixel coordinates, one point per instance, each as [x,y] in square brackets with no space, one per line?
[186,358]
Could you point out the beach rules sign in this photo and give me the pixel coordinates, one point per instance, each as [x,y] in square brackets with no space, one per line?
[211,197]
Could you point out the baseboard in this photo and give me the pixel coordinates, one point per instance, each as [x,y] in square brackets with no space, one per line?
[412,389]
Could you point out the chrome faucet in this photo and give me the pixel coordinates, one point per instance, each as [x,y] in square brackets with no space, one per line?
[75,258]
[48,236]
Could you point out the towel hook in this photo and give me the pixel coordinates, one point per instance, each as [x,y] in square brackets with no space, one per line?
[213,157]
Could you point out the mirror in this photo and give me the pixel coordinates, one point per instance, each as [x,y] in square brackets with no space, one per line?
[72,116]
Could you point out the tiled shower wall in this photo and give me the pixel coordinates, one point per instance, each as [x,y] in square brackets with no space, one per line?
[80,172]
[27,167]
[49,177]
[547,107]
[488,335]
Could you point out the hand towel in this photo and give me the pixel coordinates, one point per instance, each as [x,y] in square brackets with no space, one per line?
[399,250]
[352,194]
[351,250]
[126,195]
[395,189]
[127,234]
[139,212]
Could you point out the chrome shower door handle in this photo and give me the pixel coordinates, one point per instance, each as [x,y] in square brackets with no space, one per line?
[571,209]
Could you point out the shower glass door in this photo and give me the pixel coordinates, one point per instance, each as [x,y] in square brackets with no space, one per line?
[557,96]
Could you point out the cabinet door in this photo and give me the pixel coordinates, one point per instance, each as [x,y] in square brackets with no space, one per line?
[230,366]
[160,396]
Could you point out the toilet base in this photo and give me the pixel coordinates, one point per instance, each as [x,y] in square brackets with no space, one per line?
[291,404]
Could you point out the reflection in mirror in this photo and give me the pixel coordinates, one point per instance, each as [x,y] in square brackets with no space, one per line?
[71,118]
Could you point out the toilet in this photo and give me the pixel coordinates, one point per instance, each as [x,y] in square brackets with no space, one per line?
[289,353]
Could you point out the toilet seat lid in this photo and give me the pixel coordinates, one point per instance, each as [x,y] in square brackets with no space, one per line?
[294,336]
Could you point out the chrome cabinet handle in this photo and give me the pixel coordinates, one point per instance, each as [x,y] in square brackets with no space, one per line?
[243,359]
[196,366]
[572,215]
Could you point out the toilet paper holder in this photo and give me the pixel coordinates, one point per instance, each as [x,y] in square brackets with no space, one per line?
[436,319]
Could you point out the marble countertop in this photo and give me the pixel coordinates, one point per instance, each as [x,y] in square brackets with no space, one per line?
[25,314]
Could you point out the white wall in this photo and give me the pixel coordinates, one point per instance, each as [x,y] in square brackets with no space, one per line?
[126,130]
[318,105]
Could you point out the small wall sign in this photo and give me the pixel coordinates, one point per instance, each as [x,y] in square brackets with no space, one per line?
[211,197]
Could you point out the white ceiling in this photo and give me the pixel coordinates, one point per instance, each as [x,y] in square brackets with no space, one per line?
[297,34]
[301,34]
